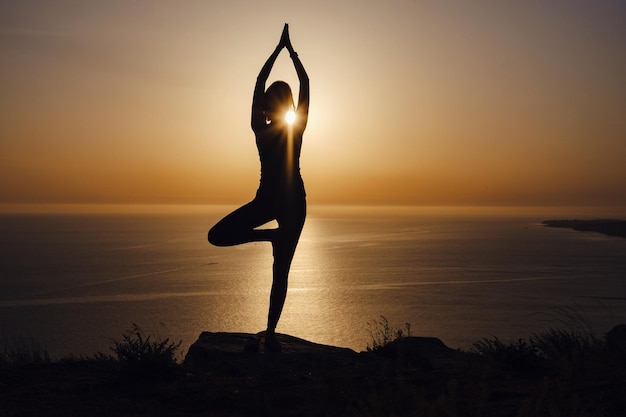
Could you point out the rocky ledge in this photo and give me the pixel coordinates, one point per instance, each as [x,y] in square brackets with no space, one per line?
[227,374]
[409,376]
[243,353]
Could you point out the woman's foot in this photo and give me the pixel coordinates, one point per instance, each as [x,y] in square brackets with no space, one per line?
[271,345]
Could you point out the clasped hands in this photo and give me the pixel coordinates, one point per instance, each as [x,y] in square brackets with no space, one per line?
[285,42]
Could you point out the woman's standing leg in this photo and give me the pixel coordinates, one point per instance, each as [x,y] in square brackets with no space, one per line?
[290,224]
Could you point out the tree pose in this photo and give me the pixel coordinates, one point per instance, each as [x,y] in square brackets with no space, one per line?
[278,127]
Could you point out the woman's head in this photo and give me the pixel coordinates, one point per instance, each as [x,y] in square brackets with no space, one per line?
[278,100]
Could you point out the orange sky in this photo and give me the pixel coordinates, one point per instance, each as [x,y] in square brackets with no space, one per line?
[412,102]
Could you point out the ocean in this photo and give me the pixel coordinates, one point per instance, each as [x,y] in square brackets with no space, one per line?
[73,282]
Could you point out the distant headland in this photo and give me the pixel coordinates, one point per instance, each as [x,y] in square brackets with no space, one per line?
[608,227]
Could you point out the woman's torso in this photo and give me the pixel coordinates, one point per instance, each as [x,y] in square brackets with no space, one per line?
[279,152]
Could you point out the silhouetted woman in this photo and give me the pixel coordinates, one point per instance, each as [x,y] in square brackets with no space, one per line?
[281,194]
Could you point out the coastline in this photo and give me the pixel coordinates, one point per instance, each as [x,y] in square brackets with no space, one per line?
[609,227]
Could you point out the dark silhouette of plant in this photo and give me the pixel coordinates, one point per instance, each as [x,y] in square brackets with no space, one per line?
[23,350]
[139,355]
[573,336]
[382,333]
[516,356]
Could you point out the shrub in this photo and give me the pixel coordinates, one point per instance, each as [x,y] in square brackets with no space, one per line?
[516,356]
[23,350]
[558,344]
[140,356]
[383,333]
[573,336]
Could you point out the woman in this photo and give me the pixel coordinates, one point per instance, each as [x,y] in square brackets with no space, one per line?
[281,194]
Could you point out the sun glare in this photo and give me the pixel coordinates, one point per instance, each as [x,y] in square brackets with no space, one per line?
[290,117]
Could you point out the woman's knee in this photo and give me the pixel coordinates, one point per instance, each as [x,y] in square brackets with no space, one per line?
[217,237]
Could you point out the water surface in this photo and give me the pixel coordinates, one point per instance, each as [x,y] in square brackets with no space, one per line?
[76,281]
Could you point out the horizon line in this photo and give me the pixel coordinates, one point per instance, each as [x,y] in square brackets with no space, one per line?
[322,208]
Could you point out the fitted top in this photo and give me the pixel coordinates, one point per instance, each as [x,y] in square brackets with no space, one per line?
[279,151]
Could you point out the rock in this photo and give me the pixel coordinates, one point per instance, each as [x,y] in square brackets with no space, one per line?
[423,352]
[241,351]
[616,338]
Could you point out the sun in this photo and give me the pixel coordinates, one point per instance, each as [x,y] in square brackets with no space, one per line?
[290,117]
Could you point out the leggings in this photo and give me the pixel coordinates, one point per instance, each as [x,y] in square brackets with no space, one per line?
[241,225]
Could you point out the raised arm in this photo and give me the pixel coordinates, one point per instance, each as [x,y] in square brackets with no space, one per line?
[303,96]
[258,118]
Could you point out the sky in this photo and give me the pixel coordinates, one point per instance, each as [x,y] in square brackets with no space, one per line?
[412,102]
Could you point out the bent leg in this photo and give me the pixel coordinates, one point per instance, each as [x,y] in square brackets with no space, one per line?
[239,226]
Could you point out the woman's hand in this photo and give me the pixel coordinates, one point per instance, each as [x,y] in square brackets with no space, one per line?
[284,39]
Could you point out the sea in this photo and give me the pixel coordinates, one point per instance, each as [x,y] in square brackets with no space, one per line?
[73,281]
